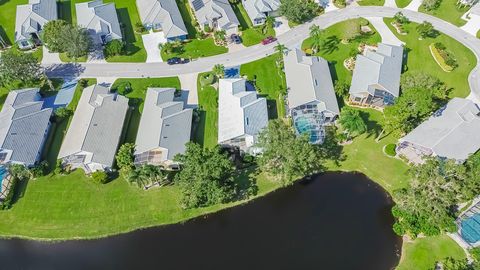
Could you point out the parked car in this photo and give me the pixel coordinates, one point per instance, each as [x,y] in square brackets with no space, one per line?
[268,40]
[177,60]
[236,39]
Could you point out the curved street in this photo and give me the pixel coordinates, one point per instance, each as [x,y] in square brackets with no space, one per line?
[291,39]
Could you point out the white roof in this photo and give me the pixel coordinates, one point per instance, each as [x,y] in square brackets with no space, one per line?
[164,124]
[309,81]
[240,112]
[165,13]
[256,9]
[31,18]
[206,11]
[96,126]
[99,17]
[452,132]
[378,70]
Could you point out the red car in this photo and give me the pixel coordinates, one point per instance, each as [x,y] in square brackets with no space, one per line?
[268,40]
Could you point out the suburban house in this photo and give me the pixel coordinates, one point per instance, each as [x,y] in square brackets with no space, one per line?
[452,132]
[311,97]
[24,126]
[30,19]
[259,10]
[100,20]
[376,77]
[92,139]
[162,15]
[164,129]
[241,115]
[216,14]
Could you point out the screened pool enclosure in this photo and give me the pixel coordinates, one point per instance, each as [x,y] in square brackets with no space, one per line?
[307,119]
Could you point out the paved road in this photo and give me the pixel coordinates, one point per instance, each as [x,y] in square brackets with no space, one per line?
[291,39]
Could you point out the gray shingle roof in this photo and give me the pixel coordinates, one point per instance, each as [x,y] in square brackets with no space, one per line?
[256,9]
[208,10]
[165,13]
[309,80]
[378,70]
[96,126]
[164,124]
[24,126]
[99,17]
[31,18]
[452,132]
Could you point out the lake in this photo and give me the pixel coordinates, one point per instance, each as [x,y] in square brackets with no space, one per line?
[333,221]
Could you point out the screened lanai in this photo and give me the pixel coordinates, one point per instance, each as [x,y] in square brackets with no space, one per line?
[309,120]
[469,225]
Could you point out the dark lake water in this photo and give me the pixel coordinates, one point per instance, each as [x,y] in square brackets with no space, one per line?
[335,221]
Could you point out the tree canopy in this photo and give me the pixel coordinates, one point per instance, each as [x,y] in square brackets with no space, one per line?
[352,122]
[52,35]
[426,29]
[298,11]
[206,177]
[76,41]
[125,158]
[285,155]
[19,68]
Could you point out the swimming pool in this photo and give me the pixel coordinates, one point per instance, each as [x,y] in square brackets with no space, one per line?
[470,229]
[305,125]
[3,174]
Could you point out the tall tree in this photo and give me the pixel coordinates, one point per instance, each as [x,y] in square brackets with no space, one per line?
[19,67]
[352,122]
[52,35]
[426,30]
[147,174]
[206,177]
[219,70]
[317,38]
[77,41]
[125,158]
[280,48]
[298,11]
[285,155]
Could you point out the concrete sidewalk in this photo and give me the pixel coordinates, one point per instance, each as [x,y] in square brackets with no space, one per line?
[387,36]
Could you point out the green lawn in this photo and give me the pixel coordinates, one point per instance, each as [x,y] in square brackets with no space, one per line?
[402,3]
[137,97]
[371,2]
[270,82]
[364,154]
[422,253]
[195,48]
[337,52]
[61,207]
[206,133]
[65,58]
[250,35]
[7,18]
[448,11]
[128,16]
[420,60]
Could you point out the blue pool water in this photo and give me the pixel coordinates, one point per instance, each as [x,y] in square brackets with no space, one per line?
[305,126]
[471,229]
[3,173]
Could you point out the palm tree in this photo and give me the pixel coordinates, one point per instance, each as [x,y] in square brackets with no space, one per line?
[315,30]
[316,35]
[281,49]
[219,70]
[168,47]
[352,122]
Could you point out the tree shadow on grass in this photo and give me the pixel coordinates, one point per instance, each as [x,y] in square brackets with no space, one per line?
[199,127]
[4,36]
[373,127]
[128,32]
[65,11]
[246,183]
[330,45]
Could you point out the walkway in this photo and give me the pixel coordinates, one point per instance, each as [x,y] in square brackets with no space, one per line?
[414,5]
[291,39]
[390,3]
[387,36]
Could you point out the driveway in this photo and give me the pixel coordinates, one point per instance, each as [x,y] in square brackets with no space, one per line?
[281,26]
[387,36]
[473,24]
[150,42]
[49,57]
[188,84]
[390,3]
[414,5]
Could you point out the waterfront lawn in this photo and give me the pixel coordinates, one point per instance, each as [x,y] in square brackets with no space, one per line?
[371,2]
[128,16]
[74,207]
[419,59]
[269,81]
[137,97]
[195,48]
[206,132]
[365,155]
[402,3]
[335,52]
[448,11]
[422,253]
